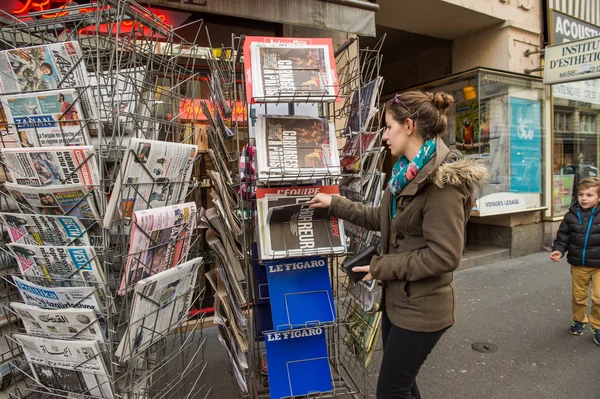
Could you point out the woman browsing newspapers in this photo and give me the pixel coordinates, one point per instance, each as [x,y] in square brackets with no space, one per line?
[422,218]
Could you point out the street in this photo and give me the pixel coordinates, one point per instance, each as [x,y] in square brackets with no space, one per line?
[522,306]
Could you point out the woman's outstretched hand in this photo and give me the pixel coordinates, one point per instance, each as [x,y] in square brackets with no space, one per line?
[320,201]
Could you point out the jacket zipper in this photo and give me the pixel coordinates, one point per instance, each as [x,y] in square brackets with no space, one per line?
[587,234]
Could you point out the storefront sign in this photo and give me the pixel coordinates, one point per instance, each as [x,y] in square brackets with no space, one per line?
[499,203]
[573,61]
[566,29]
[525,145]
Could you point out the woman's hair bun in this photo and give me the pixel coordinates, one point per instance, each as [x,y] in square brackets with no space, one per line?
[442,101]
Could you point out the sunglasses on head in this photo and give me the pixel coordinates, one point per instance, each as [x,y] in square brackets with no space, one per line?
[398,101]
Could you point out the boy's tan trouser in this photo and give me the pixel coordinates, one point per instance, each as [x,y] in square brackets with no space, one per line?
[583,278]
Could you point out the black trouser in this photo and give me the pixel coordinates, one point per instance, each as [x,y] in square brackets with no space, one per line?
[404,352]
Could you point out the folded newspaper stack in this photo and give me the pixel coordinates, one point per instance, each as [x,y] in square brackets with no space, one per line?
[49,118]
[160,239]
[153,174]
[68,366]
[160,304]
[290,148]
[288,227]
[231,324]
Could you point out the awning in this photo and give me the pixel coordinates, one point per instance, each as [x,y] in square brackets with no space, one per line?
[351,16]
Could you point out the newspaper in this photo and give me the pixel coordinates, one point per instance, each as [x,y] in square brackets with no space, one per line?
[297,229]
[295,147]
[160,239]
[153,174]
[287,227]
[290,69]
[54,165]
[44,230]
[363,107]
[57,298]
[68,366]
[53,266]
[47,67]
[160,304]
[80,324]
[47,118]
[66,200]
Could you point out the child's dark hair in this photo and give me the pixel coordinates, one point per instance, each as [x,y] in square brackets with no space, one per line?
[428,110]
[589,182]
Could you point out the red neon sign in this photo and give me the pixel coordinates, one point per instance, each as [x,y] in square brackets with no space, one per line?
[163,18]
[191,110]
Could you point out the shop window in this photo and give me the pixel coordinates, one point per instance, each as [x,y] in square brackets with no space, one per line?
[500,124]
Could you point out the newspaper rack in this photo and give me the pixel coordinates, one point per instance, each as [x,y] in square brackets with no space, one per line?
[122,101]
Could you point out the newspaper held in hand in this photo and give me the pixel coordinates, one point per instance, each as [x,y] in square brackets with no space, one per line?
[51,118]
[67,366]
[48,67]
[160,303]
[153,174]
[295,147]
[45,230]
[66,200]
[292,230]
[57,298]
[299,229]
[290,69]
[160,239]
[80,324]
[53,165]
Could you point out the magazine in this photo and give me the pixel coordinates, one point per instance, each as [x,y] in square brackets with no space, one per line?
[153,174]
[55,165]
[290,69]
[45,119]
[47,67]
[66,200]
[57,298]
[160,304]
[288,227]
[67,366]
[80,324]
[60,266]
[294,147]
[44,230]
[362,333]
[160,239]
[363,107]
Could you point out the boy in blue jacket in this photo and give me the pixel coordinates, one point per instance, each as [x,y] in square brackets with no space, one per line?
[579,237]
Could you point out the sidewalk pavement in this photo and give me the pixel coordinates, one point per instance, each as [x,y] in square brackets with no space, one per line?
[523,306]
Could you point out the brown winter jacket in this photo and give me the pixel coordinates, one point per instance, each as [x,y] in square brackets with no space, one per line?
[423,245]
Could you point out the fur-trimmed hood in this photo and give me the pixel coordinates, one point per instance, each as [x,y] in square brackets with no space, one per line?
[457,171]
